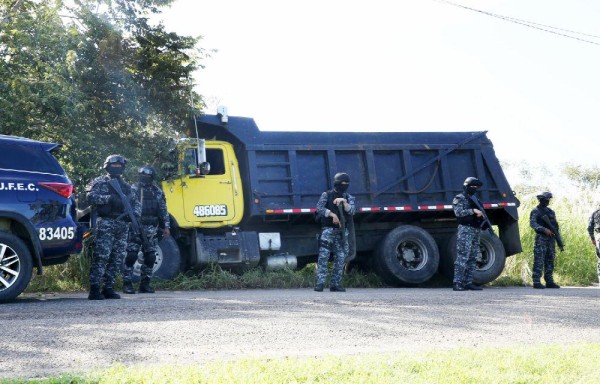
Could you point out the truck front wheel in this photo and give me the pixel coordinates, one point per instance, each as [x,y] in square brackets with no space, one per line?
[489,264]
[168,261]
[408,255]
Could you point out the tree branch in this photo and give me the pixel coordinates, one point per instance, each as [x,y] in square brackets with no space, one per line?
[12,10]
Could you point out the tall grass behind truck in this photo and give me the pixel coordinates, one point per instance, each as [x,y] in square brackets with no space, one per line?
[256,204]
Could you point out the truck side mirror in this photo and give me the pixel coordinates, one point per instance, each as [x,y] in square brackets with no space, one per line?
[204,168]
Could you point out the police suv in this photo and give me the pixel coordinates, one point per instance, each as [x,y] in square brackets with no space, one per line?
[37,213]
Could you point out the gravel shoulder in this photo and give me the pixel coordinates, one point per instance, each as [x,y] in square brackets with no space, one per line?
[67,333]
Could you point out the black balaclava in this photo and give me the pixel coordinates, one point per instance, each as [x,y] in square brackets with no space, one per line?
[471,184]
[470,190]
[146,179]
[544,202]
[338,179]
[146,175]
[115,165]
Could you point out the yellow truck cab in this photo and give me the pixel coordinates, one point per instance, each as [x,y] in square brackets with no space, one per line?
[209,200]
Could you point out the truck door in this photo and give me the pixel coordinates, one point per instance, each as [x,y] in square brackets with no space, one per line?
[210,200]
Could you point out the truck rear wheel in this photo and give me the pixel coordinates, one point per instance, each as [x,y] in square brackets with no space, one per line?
[488,266]
[15,266]
[407,255]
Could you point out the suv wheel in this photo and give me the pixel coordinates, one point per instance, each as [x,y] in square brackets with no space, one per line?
[15,266]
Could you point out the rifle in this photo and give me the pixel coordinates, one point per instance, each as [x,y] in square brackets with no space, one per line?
[342,220]
[486,220]
[135,224]
[555,232]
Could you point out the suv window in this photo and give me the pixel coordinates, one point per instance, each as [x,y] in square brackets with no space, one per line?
[28,158]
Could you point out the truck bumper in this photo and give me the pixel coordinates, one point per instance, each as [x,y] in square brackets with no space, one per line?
[231,250]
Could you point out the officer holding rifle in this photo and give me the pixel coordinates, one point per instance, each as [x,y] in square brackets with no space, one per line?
[112,226]
[471,219]
[543,221]
[154,218]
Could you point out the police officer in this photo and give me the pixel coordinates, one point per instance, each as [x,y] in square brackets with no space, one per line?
[594,232]
[467,241]
[544,248]
[111,228]
[332,239]
[154,217]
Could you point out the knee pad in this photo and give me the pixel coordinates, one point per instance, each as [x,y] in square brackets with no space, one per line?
[131,258]
[149,259]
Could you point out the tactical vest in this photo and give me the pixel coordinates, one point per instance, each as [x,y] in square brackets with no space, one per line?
[332,195]
[150,206]
[470,220]
[109,210]
[545,211]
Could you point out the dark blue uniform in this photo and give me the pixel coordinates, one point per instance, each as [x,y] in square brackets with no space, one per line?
[332,239]
[154,216]
[544,248]
[467,240]
[594,232]
[112,230]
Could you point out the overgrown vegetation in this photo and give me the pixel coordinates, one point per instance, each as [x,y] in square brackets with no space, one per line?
[574,201]
[519,364]
[73,277]
[96,76]
[576,266]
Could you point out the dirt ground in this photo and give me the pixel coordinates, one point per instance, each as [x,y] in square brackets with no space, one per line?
[66,333]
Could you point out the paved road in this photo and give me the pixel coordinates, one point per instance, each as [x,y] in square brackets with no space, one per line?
[67,333]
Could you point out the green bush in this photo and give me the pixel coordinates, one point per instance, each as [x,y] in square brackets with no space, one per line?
[577,264]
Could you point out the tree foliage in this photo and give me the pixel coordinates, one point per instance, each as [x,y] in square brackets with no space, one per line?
[96,76]
[583,176]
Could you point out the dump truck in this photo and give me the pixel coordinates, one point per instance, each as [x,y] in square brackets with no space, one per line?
[240,198]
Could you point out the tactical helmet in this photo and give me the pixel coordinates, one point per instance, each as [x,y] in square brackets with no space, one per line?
[340,178]
[147,170]
[544,195]
[472,182]
[115,164]
[147,174]
[115,159]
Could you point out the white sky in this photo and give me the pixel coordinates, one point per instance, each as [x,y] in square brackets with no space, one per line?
[406,65]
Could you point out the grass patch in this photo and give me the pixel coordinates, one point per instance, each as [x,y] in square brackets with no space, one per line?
[215,277]
[74,275]
[520,364]
[576,266]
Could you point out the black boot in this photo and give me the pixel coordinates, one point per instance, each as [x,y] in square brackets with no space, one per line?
[95,293]
[538,285]
[319,287]
[551,284]
[109,293]
[473,287]
[337,288]
[458,287]
[145,286]
[128,288]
